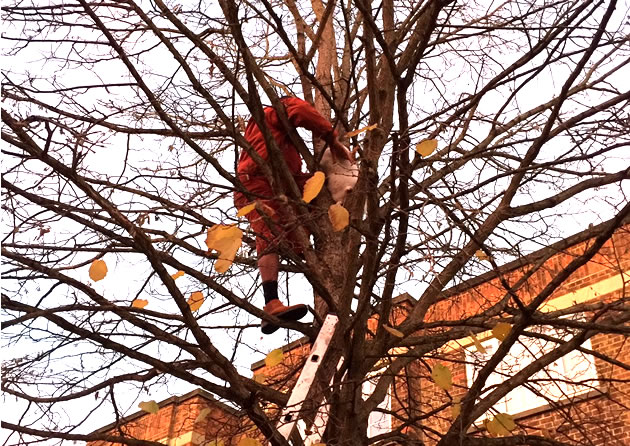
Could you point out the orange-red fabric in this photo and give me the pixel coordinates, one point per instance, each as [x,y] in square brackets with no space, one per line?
[300,114]
[266,240]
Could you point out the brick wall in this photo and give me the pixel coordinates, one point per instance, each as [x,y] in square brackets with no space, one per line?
[178,423]
[600,418]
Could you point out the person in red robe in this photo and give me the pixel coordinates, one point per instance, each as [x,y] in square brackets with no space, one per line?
[300,114]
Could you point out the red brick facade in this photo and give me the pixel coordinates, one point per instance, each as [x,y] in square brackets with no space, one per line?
[600,416]
[193,419]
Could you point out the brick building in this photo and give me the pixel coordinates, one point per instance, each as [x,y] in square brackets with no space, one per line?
[192,419]
[583,395]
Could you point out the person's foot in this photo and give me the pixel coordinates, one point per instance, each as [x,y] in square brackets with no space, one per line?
[277,309]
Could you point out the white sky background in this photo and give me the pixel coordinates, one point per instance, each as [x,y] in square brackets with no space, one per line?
[126,271]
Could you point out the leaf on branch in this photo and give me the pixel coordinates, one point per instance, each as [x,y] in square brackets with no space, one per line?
[392,331]
[502,424]
[480,348]
[249,442]
[242,212]
[177,275]
[139,303]
[501,330]
[274,358]
[426,147]
[481,255]
[202,415]
[456,408]
[313,186]
[149,406]
[226,240]
[361,130]
[338,216]
[195,301]
[442,376]
[260,378]
[98,270]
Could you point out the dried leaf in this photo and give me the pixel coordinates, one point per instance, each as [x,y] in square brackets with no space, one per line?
[260,378]
[456,408]
[313,186]
[361,130]
[195,301]
[242,212]
[226,240]
[481,255]
[202,414]
[98,270]
[393,331]
[500,425]
[178,274]
[506,421]
[442,376]
[249,442]
[480,348]
[501,330]
[139,303]
[426,147]
[149,406]
[274,357]
[339,217]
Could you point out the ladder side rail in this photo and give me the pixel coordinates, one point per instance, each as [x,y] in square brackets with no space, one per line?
[289,414]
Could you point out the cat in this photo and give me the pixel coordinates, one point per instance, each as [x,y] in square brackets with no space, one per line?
[342,175]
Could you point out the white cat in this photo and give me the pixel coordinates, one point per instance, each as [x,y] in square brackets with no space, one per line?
[342,175]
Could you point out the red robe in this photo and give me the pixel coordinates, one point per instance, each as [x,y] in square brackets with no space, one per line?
[300,114]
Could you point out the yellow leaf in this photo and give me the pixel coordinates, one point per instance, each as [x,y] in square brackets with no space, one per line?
[249,442]
[195,301]
[242,212]
[260,378]
[225,239]
[177,275]
[149,406]
[481,255]
[506,420]
[202,414]
[393,331]
[313,185]
[139,303]
[361,130]
[501,330]
[274,357]
[339,217]
[480,348]
[442,376]
[426,147]
[456,408]
[500,425]
[218,442]
[98,270]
